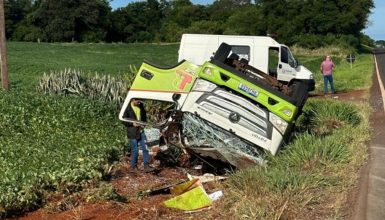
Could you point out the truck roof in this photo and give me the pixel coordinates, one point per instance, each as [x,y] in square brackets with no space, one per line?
[257,40]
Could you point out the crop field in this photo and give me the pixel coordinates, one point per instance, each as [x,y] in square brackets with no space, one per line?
[28,61]
[52,143]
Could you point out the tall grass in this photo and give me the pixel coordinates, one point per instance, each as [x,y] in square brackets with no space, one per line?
[312,172]
[331,50]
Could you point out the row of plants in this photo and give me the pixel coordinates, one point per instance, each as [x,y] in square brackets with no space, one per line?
[53,143]
[75,82]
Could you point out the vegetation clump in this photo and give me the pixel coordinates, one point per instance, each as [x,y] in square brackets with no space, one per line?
[53,143]
[73,82]
[313,171]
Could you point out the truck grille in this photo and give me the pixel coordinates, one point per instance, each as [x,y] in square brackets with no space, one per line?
[237,110]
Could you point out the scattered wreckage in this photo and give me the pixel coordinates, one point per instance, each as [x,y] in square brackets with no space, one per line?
[224,110]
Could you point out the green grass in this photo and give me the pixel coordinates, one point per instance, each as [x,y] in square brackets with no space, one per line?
[313,172]
[345,78]
[28,61]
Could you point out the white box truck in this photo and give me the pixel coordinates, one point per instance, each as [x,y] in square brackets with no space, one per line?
[261,52]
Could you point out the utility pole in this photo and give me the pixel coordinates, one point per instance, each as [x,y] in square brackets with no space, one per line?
[3,49]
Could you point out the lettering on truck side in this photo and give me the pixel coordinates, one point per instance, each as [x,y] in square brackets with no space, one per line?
[259,137]
[204,110]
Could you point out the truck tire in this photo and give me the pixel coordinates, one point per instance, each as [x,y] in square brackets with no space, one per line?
[299,91]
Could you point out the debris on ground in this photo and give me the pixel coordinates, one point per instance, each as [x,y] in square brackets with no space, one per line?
[207,177]
[190,196]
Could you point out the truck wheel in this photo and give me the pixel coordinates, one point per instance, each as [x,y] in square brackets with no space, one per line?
[299,91]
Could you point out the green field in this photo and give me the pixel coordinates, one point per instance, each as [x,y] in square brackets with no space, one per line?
[28,61]
[53,143]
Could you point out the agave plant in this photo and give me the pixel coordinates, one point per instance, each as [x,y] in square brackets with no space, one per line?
[74,82]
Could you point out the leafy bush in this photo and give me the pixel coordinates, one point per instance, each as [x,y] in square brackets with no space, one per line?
[313,41]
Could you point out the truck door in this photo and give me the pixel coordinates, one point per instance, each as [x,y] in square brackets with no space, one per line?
[286,65]
[239,45]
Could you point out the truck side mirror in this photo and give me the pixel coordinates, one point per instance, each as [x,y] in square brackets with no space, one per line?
[175,97]
[294,63]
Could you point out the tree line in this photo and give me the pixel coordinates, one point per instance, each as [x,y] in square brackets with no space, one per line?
[309,23]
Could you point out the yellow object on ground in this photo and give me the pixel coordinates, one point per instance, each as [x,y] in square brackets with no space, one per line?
[193,199]
[184,187]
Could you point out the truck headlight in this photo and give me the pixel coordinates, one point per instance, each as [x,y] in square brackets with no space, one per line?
[287,112]
[278,123]
[311,76]
[207,70]
[203,86]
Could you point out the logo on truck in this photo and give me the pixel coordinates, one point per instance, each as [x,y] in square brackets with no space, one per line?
[185,78]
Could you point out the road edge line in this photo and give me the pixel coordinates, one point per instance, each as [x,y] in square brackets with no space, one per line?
[380,82]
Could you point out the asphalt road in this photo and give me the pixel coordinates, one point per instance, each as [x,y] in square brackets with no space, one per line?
[371,201]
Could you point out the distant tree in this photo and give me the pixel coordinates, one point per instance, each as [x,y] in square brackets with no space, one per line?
[310,23]
[15,11]
[289,18]
[366,40]
[246,20]
[138,21]
[221,10]
[182,16]
[380,43]
[67,20]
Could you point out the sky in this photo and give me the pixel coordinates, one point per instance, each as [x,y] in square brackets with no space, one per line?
[375,29]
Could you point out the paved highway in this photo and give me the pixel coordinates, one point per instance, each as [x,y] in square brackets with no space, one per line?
[371,201]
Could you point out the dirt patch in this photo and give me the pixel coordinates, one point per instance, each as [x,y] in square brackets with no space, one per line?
[357,96]
[130,186]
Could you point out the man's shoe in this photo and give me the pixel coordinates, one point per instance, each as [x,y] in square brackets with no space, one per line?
[133,169]
[148,169]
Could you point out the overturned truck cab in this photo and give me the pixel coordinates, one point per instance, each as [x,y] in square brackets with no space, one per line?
[217,110]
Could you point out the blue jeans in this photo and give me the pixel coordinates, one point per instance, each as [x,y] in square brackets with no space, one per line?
[134,150]
[328,78]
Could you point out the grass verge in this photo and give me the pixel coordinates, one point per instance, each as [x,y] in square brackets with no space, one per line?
[345,78]
[311,177]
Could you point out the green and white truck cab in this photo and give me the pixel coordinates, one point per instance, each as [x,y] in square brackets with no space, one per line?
[225,99]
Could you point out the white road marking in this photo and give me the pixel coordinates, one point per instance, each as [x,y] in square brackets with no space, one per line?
[378,178]
[378,148]
[380,82]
